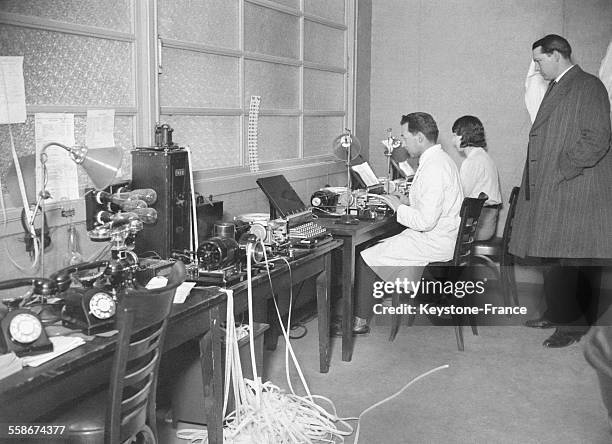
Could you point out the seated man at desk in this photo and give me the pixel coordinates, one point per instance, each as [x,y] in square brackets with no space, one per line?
[431,216]
[478,172]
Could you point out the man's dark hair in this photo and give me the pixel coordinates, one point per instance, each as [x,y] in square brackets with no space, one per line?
[471,131]
[554,42]
[422,122]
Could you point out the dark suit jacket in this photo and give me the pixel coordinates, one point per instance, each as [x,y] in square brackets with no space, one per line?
[569,170]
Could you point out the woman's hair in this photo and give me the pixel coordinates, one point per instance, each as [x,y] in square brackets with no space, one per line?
[471,131]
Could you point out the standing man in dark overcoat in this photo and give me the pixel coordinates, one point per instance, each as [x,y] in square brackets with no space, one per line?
[564,210]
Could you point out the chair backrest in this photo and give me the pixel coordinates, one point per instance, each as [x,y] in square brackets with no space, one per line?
[142,318]
[510,218]
[469,213]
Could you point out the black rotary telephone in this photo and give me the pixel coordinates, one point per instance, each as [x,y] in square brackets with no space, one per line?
[92,307]
[21,329]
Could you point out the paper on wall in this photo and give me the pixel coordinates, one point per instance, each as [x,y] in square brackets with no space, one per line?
[12,90]
[62,175]
[100,128]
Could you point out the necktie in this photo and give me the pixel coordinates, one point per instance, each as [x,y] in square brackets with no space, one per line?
[551,85]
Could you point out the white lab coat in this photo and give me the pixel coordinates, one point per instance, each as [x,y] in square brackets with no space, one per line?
[535,88]
[432,220]
[479,175]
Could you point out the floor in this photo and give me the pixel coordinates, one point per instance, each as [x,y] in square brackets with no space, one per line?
[504,388]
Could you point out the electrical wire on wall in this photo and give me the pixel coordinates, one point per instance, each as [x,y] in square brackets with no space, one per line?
[29,215]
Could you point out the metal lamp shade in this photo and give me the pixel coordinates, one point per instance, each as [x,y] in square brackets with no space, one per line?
[102,165]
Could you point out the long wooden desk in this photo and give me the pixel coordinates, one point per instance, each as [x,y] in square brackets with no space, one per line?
[35,393]
[355,236]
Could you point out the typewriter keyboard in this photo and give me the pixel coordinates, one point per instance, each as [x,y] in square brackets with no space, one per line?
[308,230]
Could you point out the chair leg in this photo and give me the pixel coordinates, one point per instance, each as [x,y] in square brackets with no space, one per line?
[411,318]
[471,317]
[459,336]
[145,436]
[396,319]
[473,325]
[513,290]
[508,280]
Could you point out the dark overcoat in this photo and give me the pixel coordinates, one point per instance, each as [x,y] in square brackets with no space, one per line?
[564,209]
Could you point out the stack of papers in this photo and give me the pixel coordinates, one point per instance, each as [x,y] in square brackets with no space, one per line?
[61,345]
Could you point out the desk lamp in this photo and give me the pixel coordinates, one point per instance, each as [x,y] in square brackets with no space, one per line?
[100,164]
[347,147]
[390,143]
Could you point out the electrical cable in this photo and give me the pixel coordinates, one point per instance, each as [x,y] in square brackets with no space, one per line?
[396,394]
[263,412]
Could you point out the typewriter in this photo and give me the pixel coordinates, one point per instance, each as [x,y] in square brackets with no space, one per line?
[302,230]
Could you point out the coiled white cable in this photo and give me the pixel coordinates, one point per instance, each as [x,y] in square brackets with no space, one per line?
[264,413]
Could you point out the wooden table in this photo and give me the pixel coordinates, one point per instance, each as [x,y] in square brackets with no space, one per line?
[355,236]
[36,392]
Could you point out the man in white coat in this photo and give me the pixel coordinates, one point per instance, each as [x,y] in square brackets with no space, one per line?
[431,216]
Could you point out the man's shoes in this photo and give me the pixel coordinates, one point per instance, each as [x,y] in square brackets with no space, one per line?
[539,323]
[560,339]
[358,328]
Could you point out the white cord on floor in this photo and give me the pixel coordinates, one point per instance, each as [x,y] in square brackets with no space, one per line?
[389,398]
[264,413]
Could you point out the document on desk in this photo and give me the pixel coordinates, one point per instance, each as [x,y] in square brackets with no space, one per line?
[9,364]
[182,291]
[367,175]
[61,345]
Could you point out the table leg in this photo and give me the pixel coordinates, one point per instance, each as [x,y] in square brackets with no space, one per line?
[348,283]
[211,361]
[323,313]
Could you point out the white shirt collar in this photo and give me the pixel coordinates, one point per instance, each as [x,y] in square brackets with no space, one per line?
[475,150]
[563,73]
[430,151]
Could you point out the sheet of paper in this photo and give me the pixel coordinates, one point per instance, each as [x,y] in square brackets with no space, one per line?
[9,364]
[100,128]
[62,175]
[12,90]
[61,345]
[367,175]
[156,282]
[183,291]
[406,168]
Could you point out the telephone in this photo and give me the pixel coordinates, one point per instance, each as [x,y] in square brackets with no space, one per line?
[90,308]
[21,330]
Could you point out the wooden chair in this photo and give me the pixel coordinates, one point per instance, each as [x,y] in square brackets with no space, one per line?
[452,270]
[126,411]
[495,251]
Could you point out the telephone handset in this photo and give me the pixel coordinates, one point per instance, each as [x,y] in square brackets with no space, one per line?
[63,278]
[21,330]
[90,308]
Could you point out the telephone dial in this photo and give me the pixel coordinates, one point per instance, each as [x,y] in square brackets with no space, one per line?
[92,306]
[21,329]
